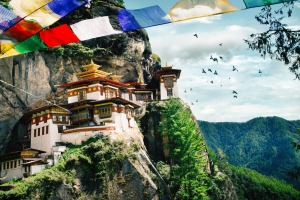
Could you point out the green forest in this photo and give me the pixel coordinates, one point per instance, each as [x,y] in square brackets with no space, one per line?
[261,144]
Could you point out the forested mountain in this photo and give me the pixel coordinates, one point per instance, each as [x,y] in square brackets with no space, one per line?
[261,144]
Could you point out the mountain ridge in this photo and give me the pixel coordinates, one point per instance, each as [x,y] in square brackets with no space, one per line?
[262,144]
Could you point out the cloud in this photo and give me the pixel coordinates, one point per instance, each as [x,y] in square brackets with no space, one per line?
[192,48]
[274,92]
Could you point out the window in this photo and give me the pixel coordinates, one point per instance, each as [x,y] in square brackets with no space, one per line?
[4,165]
[34,132]
[130,96]
[104,112]
[168,82]
[81,95]
[54,118]
[60,128]
[169,92]
[47,129]
[43,130]
[60,118]
[7,165]
[39,131]
[11,164]
[19,162]
[15,163]
[81,116]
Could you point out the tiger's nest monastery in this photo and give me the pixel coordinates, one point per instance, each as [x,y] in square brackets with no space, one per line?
[98,103]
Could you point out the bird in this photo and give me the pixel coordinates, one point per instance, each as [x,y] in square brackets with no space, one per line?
[221,57]
[259,71]
[234,92]
[185,90]
[215,72]
[192,103]
[234,96]
[196,35]
[212,82]
[220,44]
[214,59]
[197,100]
[234,69]
[191,89]
[203,71]
[209,70]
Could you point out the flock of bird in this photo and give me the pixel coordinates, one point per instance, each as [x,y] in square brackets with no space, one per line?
[215,72]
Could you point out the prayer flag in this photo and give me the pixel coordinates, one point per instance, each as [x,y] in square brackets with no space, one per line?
[257,3]
[31,44]
[93,28]
[11,52]
[64,7]
[59,35]
[142,18]
[23,8]
[7,18]
[189,9]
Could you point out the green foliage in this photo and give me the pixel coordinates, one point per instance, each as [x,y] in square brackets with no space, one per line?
[188,179]
[253,185]
[72,50]
[279,41]
[261,144]
[92,162]
[156,58]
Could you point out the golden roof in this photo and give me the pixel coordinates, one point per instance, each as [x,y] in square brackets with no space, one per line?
[116,77]
[91,71]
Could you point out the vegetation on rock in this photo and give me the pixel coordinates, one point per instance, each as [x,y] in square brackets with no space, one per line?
[82,173]
[250,184]
[188,178]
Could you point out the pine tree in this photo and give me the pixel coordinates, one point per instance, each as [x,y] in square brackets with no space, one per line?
[185,144]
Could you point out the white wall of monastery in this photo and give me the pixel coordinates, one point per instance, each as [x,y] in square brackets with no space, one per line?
[37,168]
[46,141]
[12,172]
[163,92]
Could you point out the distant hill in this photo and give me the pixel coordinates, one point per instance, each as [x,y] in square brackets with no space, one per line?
[261,144]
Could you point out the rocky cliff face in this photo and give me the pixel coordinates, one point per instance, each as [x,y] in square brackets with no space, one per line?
[28,78]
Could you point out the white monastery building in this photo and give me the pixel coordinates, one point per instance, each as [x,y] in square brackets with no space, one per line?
[97,102]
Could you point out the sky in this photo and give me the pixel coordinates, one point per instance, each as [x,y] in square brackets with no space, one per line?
[274,92]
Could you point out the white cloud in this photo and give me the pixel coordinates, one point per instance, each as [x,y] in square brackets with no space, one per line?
[274,92]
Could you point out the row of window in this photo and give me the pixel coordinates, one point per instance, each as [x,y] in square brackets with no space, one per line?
[104,112]
[10,164]
[41,131]
[60,118]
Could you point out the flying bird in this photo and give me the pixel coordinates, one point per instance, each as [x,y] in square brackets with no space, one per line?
[197,100]
[234,96]
[234,69]
[220,44]
[209,70]
[203,71]
[215,72]
[215,59]
[196,35]
[259,71]
[192,103]
[234,92]
[212,82]
[221,57]
[185,90]
[191,89]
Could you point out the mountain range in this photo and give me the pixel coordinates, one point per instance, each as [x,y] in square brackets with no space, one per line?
[262,144]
